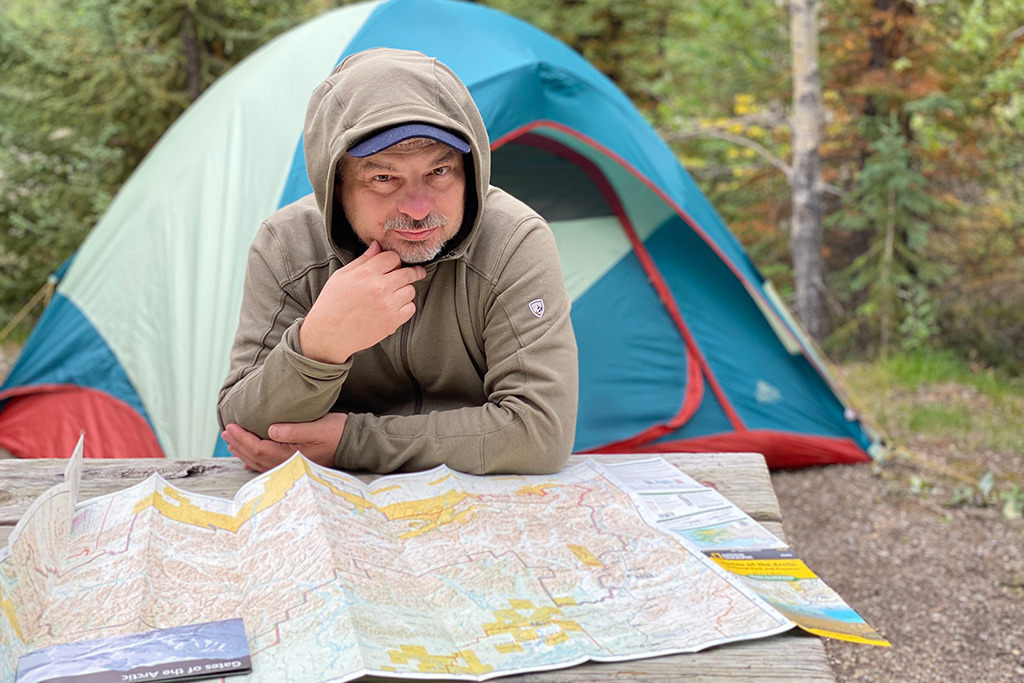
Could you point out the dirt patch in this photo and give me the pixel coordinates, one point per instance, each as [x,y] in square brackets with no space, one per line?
[944,585]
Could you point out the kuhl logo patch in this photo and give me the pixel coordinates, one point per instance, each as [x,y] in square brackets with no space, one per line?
[537,307]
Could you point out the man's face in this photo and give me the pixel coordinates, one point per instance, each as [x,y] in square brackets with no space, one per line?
[409,197]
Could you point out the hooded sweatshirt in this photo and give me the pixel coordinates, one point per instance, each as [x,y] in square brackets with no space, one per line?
[484,376]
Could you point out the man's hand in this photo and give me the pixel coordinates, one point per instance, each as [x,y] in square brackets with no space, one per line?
[318,441]
[361,304]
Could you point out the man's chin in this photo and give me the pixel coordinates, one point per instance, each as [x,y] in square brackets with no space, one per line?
[415,253]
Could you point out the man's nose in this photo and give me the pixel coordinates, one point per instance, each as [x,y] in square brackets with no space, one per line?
[416,201]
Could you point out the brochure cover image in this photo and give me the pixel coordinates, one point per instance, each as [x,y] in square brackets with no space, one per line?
[184,653]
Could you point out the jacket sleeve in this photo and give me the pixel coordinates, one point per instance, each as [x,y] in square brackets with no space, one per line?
[270,380]
[527,424]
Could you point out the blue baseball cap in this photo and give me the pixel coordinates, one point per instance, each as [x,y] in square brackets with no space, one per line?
[392,136]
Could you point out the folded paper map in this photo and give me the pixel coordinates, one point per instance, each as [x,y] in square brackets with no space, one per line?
[415,575]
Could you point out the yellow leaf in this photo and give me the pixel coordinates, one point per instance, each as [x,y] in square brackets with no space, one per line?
[744,104]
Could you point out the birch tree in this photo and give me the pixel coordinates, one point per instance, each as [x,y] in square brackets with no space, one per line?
[806,236]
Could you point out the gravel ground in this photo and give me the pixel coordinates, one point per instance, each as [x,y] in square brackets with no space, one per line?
[945,586]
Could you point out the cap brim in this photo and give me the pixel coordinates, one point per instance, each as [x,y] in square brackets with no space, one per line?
[392,136]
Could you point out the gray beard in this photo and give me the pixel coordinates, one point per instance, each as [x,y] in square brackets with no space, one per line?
[418,253]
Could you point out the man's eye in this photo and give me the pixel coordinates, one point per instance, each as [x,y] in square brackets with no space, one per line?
[382,178]
[442,170]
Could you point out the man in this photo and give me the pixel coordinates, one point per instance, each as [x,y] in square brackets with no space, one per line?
[406,314]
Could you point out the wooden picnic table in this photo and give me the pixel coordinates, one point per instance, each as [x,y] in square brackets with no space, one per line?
[741,477]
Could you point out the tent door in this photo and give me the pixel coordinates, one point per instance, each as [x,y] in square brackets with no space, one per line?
[564,185]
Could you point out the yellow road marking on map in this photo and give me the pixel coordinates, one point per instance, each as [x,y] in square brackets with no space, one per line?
[556,638]
[447,517]
[508,648]
[7,605]
[428,663]
[523,627]
[175,505]
[424,508]
[172,503]
[536,489]
[436,510]
[585,556]
[443,479]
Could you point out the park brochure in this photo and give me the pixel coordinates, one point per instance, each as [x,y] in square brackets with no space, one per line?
[420,575]
[703,518]
[183,653]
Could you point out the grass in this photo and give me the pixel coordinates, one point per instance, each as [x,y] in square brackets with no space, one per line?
[910,370]
[942,396]
[952,421]
[958,428]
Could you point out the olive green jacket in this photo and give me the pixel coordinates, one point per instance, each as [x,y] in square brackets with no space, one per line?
[484,376]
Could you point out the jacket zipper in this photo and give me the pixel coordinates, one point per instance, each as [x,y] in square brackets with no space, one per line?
[404,344]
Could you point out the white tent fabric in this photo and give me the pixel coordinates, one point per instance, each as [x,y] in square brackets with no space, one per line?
[200,181]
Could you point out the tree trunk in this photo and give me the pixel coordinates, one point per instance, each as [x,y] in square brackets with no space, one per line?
[806,238]
[887,287]
[190,41]
[887,41]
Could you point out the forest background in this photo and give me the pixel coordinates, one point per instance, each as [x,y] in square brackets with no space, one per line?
[921,149]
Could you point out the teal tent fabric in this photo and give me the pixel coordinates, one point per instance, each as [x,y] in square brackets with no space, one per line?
[682,345]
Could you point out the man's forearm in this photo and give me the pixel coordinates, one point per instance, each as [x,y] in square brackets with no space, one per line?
[287,387]
[479,440]
[527,427]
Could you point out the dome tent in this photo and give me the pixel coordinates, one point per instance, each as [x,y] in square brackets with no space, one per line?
[682,344]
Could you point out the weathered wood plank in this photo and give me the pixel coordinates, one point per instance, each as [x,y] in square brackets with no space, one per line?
[793,656]
[741,477]
[22,481]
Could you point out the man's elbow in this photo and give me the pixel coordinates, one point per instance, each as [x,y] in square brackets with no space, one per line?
[543,447]
[230,410]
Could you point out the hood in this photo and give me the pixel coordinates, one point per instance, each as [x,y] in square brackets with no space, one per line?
[381,88]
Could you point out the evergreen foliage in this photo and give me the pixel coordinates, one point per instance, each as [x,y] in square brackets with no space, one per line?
[890,281]
[88,87]
[923,142]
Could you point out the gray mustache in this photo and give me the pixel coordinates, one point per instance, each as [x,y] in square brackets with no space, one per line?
[434,219]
